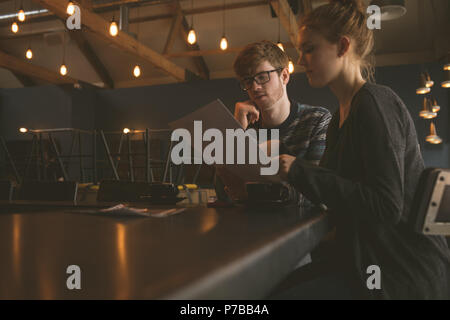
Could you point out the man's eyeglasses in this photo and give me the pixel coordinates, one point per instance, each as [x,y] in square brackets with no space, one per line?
[260,78]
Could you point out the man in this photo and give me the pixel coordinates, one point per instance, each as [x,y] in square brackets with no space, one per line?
[262,69]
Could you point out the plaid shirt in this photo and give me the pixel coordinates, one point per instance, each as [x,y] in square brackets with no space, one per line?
[303,133]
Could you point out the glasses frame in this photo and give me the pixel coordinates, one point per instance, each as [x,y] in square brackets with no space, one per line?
[242,85]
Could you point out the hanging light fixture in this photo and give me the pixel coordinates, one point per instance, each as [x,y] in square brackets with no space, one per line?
[433,137]
[434,105]
[291,66]
[423,89]
[137,71]
[21,13]
[192,37]
[446,82]
[23,130]
[426,112]
[126,130]
[223,43]
[63,69]
[29,54]
[70,8]
[279,44]
[447,62]
[223,40]
[15,27]
[428,82]
[113,28]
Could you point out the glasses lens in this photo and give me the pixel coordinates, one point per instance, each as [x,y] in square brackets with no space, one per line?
[246,83]
[262,78]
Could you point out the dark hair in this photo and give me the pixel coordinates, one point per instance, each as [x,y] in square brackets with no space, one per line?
[253,54]
[345,18]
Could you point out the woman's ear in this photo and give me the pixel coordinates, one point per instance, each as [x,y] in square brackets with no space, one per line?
[343,46]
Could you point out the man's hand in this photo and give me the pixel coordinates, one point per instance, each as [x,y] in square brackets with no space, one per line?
[246,113]
[285,164]
[234,186]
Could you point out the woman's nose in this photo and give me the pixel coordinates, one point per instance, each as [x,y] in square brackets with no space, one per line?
[301,60]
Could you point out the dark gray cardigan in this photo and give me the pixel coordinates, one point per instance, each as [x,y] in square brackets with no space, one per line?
[367,177]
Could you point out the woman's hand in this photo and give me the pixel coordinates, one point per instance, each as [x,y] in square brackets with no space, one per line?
[285,164]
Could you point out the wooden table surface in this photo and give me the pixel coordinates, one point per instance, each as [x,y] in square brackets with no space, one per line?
[200,253]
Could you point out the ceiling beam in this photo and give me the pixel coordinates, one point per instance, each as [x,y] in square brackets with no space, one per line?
[180,26]
[288,20]
[174,28]
[199,62]
[99,26]
[91,57]
[24,80]
[99,8]
[19,66]
[239,5]
[86,4]
[143,82]
[89,53]
[212,52]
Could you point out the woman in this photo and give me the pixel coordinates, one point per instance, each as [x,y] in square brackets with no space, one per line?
[370,168]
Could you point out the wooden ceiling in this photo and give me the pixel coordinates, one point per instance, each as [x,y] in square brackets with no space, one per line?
[155,38]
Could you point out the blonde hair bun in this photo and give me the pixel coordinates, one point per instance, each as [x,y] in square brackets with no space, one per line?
[357,4]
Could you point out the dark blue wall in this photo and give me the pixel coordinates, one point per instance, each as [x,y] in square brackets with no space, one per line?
[156,106]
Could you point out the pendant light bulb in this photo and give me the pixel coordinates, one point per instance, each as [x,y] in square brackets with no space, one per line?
[192,37]
[21,15]
[428,82]
[446,82]
[223,43]
[63,70]
[113,29]
[422,90]
[426,112]
[423,84]
[137,71]
[447,67]
[433,138]
[434,105]
[14,27]
[291,67]
[29,54]
[70,8]
[280,45]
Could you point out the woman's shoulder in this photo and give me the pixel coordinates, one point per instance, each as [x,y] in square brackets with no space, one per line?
[378,94]
[378,106]
[378,98]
